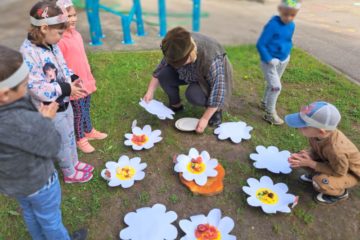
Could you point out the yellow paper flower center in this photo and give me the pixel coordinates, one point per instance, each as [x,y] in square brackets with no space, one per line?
[196,166]
[267,196]
[139,140]
[207,232]
[125,173]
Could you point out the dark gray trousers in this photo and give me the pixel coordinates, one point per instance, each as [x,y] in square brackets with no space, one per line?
[170,82]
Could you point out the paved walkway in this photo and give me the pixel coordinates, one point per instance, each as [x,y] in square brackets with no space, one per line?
[329,31]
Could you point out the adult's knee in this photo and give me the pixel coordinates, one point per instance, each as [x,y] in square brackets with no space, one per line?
[167,73]
[195,95]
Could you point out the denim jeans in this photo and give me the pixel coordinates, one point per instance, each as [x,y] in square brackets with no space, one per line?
[42,212]
[273,74]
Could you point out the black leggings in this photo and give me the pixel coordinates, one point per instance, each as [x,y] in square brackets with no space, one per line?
[170,82]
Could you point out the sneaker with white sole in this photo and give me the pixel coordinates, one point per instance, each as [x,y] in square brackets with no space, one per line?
[306,178]
[273,118]
[328,199]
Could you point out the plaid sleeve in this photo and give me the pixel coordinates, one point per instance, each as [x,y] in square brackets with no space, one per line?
[216,78]
[161,65]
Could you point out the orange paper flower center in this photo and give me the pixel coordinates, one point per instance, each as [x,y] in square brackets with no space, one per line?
[139,140]
[196,166]
[207,232]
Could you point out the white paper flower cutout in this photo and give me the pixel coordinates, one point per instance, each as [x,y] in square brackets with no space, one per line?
[269,196]
[236,131]
[212,227]
[196,167]
[157,108]
[271,159]
[150,224]
[124,172]
[142,138]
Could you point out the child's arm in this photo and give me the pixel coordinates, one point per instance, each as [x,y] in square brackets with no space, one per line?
[36,135]
[263,40]
[39,86]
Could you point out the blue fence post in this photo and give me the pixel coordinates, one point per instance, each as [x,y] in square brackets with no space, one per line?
[97,18]
[125,22]
[139,19]
[92,14]
[196,15]
[162,17]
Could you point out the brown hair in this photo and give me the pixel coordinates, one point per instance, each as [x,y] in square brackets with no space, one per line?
[36,36]
[10,61]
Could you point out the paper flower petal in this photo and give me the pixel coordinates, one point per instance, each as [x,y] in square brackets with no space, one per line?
[271,159]
[143,138]
[236,131]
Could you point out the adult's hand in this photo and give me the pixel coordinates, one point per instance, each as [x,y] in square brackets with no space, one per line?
[154,83]
[77,90]
[202,124]
[49,111]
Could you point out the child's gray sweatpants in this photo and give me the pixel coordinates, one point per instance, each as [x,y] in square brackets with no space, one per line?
[273,74]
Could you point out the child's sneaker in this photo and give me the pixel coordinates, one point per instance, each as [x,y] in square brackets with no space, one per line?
[78,177]
[84,145]
[328,200]
[273,118]
[306,178]
[80,234]
[95,135]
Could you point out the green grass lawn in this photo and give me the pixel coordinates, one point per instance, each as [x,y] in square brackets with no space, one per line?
[122,79]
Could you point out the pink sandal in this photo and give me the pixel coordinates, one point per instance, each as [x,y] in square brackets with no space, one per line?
[77,179]
[86,168]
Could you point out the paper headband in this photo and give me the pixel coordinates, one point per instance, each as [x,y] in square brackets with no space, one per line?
[16,78]
[46,20]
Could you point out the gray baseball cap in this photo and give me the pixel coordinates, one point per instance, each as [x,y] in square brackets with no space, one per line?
[321,115]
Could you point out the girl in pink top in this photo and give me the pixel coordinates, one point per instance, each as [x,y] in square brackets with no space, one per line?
[72,47]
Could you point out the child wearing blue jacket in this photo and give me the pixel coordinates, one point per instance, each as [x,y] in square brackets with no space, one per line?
[274,47]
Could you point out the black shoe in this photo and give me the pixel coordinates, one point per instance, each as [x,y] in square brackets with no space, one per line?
[216,119]
[177,109]
[80,234]
[328,200]
[306,178]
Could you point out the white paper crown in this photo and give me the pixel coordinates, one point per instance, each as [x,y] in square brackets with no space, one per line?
[46,20]
[16,78]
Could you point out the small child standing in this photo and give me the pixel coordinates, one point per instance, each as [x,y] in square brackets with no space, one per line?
[29,144]
[51,80]
[274,47]
[333,160]
[72,48]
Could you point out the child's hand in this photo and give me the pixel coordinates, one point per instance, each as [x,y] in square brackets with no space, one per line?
[301,159]
[49,111]
[274,62]
[77,90]
[202,124]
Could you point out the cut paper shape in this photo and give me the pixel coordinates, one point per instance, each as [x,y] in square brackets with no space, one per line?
[150,223]
[157,108]
[236,131]
[196,167]
[270,197]
[271,159]
[213,186]
[125,172]
[142,138]
[212,227]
